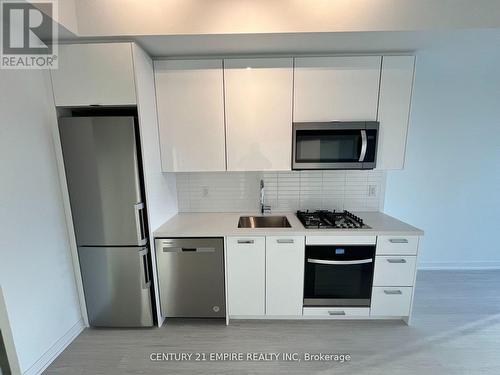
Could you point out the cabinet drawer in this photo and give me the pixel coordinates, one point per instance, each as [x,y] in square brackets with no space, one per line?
[394,270]
[399,245]
[391,301]
[336,312]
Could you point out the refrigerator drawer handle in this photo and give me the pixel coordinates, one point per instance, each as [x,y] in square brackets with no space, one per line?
[146,279]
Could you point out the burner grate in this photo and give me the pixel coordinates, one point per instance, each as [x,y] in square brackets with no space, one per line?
[324,219]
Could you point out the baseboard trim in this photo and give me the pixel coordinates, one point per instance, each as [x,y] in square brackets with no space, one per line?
[458,266]
[50,355]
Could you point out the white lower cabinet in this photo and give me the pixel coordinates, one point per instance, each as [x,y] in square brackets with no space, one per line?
[284,275]
[391,301]
[265,278]
[246,260]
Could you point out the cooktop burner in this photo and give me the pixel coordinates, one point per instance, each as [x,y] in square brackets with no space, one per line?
[324,219]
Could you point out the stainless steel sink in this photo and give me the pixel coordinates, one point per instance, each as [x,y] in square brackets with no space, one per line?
[263,222]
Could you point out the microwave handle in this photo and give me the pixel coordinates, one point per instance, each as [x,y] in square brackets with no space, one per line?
[364,145]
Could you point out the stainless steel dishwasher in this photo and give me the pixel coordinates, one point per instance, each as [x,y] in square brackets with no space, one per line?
[191,277]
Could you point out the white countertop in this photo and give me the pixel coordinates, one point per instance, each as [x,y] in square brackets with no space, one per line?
[226,224]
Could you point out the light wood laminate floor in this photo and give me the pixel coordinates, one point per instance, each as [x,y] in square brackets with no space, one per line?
[455,330]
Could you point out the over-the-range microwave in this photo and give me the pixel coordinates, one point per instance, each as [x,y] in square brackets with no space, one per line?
[335,145]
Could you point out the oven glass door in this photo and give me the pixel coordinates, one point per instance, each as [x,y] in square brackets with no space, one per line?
[328,146]
[338,275]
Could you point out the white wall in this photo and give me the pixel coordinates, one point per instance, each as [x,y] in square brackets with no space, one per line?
[36,272]
[284,191]
[450,186]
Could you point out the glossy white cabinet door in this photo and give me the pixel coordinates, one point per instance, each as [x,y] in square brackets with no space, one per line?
[284,275]
[336,88]
[246,262]
[94,74]
[190,98]
[258,113]
[394,110]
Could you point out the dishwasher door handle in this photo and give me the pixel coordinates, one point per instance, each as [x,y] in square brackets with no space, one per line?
[188,249]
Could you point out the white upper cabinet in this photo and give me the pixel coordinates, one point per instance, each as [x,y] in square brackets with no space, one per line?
[190,98]
[336,88]
[94,74]
[258,99]
[394,110]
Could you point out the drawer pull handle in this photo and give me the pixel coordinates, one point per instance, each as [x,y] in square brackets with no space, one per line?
[396,260]
[336,312]
[393,292]
[398,240]
[246,241]
[284,241]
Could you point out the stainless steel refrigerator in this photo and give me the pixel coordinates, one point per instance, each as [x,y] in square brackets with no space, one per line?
[101,160]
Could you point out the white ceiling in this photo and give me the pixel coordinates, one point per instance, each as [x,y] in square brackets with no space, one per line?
[167,28]
[98,18]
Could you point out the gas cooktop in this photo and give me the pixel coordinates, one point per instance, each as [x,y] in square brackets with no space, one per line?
[324,219]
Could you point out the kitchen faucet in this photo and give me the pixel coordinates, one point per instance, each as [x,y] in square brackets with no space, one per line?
[263,208]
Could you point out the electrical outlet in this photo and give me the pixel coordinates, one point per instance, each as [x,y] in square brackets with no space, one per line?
[204,191]
[372,190]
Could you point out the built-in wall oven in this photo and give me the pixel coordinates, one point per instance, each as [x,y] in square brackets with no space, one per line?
[335,145]
[338,274]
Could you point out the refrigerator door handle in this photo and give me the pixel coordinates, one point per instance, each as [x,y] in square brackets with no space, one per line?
[139,223]
[146,279]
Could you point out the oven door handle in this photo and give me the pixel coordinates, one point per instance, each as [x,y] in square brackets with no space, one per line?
[340,262]
[364,146]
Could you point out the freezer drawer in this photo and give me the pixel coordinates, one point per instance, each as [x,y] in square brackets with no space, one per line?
[191,277]
[117,286]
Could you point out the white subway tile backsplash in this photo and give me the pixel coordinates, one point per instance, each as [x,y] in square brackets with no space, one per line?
[284,191]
